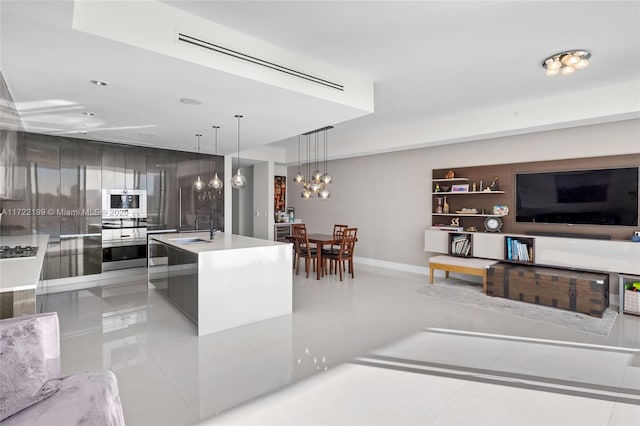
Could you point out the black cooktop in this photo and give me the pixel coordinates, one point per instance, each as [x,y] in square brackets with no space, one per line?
[7,252]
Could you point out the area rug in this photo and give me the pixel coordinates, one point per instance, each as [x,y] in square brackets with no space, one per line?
[471,295]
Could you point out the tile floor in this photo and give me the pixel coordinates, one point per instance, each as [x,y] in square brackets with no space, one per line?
[169,376]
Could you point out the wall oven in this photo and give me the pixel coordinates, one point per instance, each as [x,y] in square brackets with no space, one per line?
[124,228]
[124,243]
[124,203]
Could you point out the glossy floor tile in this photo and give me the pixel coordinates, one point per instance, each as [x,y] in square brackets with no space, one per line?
[167,375]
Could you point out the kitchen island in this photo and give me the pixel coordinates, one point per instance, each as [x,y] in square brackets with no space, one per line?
[222,283]
[19,276]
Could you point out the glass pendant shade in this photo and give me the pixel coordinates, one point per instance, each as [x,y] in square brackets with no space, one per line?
[216,183]
[325,179]
[238,181]
[198,185]
[324,193]
[316,176]
[298,178]
[315,187]
[306,194]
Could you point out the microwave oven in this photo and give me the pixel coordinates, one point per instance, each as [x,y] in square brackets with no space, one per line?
[124,203]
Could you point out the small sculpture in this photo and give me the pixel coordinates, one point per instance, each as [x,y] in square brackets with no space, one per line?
[455,221]
[494,184]
[450,175]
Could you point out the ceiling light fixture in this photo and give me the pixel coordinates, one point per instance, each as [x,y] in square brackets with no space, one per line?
[89,114]
[99,83]
[198,185]
[190,101]
[215,183]
[566,62]
[325,179]
[238,181]
[318,183]
[299,177]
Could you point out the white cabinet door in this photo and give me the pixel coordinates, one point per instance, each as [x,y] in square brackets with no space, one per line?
[488,245]
[436,241]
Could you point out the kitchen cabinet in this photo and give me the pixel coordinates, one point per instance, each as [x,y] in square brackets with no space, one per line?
[124,167]
[80,186]
[162,184]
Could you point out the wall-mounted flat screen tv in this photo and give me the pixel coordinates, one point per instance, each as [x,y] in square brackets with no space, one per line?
[589,197]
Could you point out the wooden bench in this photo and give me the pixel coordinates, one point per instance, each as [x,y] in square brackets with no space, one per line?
[462,265]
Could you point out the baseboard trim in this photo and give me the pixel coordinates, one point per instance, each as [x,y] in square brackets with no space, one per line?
[59,285]
[422,270]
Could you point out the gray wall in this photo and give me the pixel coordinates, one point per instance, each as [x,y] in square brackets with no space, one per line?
[388,196]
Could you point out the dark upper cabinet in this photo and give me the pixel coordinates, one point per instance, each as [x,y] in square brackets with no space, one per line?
[43,185]
[162,189]
[80,186]
[124,167]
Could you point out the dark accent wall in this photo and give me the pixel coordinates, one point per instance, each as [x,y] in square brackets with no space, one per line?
[506,174]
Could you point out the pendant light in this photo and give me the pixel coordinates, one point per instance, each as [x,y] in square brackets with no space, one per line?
[198,185]
[325,179]
[238,181]
[306,192]
[299,177]
[315,177]
[215,183]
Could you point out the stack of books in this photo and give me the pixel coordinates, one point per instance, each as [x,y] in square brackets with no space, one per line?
[519,251]
[460,245]
[448,228]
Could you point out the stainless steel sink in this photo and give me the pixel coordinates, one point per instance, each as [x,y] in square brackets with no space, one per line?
[191,240]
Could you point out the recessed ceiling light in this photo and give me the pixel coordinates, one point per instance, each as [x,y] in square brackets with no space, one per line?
[89,114]
[190,101]
[99,83]
[82,132]
[146,134]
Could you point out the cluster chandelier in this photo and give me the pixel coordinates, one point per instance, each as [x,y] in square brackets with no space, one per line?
[567,62]
[317,183]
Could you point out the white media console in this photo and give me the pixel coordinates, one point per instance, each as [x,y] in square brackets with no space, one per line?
[611,256]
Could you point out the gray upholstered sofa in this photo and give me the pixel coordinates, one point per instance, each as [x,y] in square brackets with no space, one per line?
[31,389]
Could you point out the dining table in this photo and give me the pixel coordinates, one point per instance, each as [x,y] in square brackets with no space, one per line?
[321,240]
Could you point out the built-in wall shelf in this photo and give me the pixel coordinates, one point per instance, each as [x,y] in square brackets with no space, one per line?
[451,180]
[467,214]
[467,192]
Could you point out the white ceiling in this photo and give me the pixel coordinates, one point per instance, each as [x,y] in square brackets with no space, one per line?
[428,60]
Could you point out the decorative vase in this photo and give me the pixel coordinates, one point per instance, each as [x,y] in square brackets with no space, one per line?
[445,206]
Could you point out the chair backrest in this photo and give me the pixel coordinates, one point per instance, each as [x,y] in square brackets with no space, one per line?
[301,240]
[338,230]
[348,241]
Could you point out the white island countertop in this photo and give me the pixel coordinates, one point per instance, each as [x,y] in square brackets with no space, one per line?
[235,281]
[22,273]
[222,241]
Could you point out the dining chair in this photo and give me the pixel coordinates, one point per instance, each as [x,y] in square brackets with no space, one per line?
[344,254]
[303,248]
[337,234]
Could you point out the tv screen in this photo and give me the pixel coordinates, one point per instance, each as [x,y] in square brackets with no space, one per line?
[591,197]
